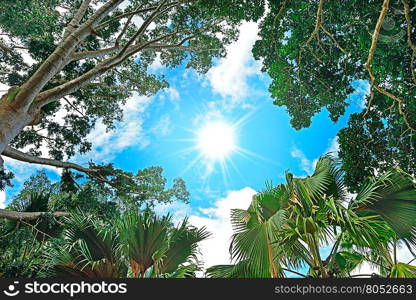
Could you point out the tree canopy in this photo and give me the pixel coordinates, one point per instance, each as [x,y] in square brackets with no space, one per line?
[44,215]
[286,226]
[313,50]
[70,64]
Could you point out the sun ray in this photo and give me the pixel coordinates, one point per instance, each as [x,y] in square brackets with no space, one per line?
[216,142]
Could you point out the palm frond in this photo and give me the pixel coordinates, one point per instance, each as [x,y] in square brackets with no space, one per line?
[144,238]
[393,197]
[182,246]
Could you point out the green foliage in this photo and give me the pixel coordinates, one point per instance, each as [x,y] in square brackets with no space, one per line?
[373,147]
[393,197]
[313,55]
[91,250]
[401,270]
[285,227]
[38,26]
[5,179]
[24,243]
[140,245]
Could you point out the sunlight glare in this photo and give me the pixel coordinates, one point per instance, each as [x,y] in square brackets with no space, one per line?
[216,140]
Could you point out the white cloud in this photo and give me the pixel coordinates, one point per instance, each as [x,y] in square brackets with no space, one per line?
[129,132]
[229,76]
[333,147]
[215,250]
[306,165]
[173,93]
[2,199]
[163,126]
[156,65]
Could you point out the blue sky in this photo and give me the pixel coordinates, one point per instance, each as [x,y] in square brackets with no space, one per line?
[158,131]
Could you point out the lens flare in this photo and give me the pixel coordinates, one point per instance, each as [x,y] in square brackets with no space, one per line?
[216,140]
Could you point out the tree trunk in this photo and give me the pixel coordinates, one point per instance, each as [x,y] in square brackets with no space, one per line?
[12,123]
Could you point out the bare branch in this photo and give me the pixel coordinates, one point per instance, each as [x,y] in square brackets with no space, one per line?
[83,80]
[73,106]
[143,28]
[334,40]
[93,173]
[123,31]
[314,33]
[94,53]
[318,21]
[21,156]
[19,216]
[409,37]
[128,50]
[368,66]
[72,26]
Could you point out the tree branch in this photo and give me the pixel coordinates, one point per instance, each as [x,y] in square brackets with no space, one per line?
[72,26]
[17,215]
[58,59]
[83,80]
[368,66]
[139,11]
[94,53]
[409,37]
[142,28]
[21,156]
[93,173]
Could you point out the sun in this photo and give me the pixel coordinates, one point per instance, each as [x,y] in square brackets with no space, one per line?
[216,140]
[216,144]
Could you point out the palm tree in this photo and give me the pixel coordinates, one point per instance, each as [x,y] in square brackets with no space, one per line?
[91,250]
[286,227]
[139,245]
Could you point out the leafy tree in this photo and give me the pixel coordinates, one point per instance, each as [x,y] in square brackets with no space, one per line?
[35,214]
[89,57]
[313,50]
[286,226]
[141,245]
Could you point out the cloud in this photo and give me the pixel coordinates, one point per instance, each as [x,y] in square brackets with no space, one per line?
[306,165]
[217,220]
[359,96]
[163,126]
[129,132]
[173,93]
[2,199]
[214,250]
[333,147]
[229,77]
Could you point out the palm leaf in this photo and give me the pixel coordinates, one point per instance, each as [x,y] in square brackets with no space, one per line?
[393,197]
[182,247]
[144,238]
